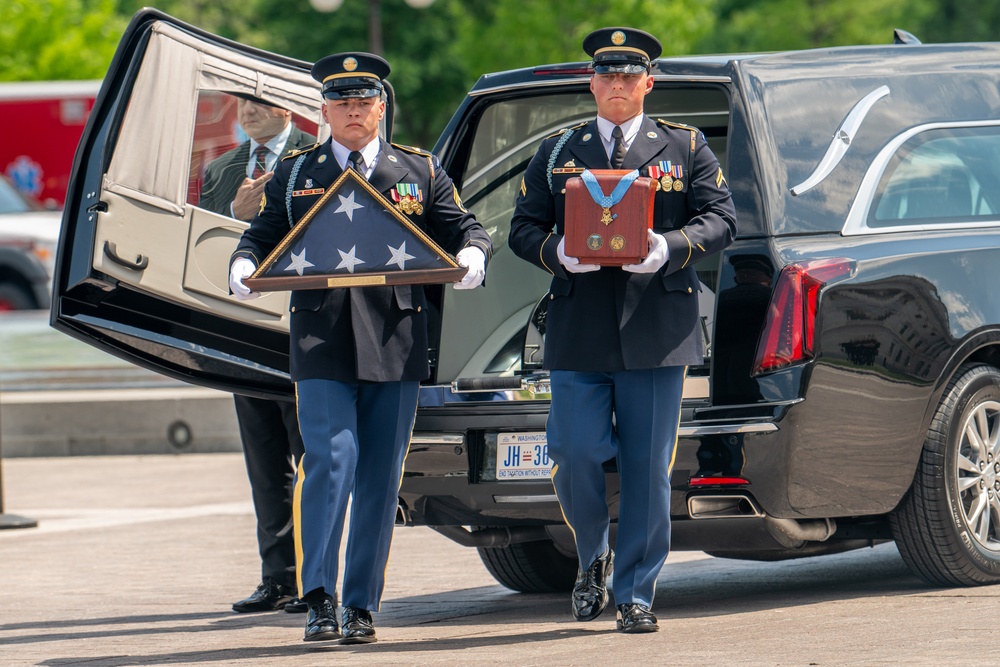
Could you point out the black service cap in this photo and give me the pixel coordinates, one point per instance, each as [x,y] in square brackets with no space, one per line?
[622,50]
[346,75]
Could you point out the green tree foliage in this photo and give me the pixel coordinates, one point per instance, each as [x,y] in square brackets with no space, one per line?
[43,40]
[960,21]
[503,35]
[773,25]
[437,53]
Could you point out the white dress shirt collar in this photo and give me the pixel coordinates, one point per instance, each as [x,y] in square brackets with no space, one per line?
[630,128]
[369,153]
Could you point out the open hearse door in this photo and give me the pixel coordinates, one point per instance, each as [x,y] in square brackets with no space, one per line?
[142,267]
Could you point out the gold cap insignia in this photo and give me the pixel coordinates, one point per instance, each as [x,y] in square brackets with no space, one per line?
[618,38]
[350,64]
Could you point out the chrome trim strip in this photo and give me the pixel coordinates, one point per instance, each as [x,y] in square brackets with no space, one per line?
[720,429]
[857,217]
[548,498]
[546,83]
[841,140]
[436,439]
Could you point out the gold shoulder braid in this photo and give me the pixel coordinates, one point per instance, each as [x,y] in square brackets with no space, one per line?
[412,149]
[301,151]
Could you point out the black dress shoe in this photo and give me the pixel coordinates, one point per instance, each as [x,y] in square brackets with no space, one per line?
[321,624]
[590,594]
[635,618]
[296,606]
[358,626]
[268,597]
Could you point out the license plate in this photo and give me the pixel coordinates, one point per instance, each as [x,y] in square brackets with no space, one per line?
[523,456]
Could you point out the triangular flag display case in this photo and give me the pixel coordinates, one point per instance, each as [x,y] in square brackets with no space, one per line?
[354,237]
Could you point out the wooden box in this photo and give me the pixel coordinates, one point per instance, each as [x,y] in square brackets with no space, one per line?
[609,240]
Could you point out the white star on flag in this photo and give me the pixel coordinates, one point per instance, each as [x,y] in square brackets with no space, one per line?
[348,206]
[348,260]
[399,256]
[299,263]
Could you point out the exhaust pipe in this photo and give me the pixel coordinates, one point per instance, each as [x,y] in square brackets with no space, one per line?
[493,538]
[734,505]
[794,533]
[790,533]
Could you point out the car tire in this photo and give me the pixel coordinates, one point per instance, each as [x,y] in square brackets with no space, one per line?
[531,567]
[14,297]
[947,527]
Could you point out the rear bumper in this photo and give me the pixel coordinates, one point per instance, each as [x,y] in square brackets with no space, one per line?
[448,480]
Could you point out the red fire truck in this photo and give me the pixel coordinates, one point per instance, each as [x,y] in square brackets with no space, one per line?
[40,125]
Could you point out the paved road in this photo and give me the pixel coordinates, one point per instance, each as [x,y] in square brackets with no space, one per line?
[137,559]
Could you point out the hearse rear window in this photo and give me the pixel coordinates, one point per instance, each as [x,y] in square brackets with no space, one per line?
[941,176]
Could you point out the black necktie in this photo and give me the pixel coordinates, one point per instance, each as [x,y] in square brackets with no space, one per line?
[356,160]
[618,154]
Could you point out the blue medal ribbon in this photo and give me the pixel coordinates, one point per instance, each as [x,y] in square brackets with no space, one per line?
[603,200]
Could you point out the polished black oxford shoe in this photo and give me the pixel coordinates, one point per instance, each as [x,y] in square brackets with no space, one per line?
[634,618]
[321,623]
[358,626]
[269,596]
[590,593]
[296,606]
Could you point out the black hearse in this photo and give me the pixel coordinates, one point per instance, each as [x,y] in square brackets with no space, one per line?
[851,394]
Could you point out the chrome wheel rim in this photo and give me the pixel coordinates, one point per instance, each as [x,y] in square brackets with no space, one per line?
[978,474]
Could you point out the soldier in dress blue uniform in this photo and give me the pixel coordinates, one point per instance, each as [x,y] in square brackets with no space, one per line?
[357,354]
[619,340]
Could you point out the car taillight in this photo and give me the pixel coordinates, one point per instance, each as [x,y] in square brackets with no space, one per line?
[791,315]
[718,481]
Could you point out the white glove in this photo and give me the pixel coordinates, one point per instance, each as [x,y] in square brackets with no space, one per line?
[572,264]
[474,259]
[658,255]
[240,269]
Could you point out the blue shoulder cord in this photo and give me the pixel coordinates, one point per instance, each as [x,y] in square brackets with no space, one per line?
[555,156]
[291,186]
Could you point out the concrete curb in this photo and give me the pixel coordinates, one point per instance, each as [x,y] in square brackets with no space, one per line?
[117,421]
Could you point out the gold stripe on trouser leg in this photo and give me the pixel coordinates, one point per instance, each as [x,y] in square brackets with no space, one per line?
[555,469]
[300,476]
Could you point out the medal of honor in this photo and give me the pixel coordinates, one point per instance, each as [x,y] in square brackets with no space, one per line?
[607,201]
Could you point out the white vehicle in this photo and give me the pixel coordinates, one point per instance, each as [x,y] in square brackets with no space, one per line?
[28,238]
